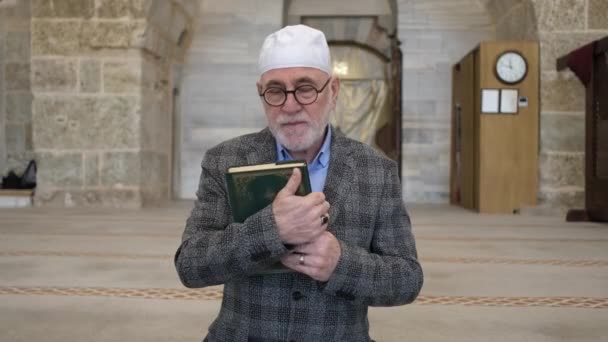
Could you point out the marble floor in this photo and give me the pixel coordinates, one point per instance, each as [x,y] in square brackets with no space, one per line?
[107,275]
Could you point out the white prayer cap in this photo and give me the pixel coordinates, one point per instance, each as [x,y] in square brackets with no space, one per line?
[295,46]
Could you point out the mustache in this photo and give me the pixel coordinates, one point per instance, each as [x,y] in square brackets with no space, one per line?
[287,119]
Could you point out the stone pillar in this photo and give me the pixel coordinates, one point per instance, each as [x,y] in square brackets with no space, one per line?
[15,91]
[560,26]
[102,131]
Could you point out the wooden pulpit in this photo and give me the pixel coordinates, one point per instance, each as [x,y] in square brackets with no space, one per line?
[590,64]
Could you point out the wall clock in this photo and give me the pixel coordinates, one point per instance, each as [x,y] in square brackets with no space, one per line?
[511,67]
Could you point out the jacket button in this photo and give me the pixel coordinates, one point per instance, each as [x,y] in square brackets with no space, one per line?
[297,295]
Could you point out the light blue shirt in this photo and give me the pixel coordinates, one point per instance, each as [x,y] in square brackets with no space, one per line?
[317,169]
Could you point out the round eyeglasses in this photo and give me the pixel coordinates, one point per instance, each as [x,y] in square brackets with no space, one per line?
[304,94]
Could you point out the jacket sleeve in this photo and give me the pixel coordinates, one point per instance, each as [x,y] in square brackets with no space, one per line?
[388,273]
[213,248]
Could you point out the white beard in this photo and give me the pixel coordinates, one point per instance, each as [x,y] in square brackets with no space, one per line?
[299,140]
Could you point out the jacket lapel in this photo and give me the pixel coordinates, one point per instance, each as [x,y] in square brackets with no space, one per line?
[264,149]
[340,175]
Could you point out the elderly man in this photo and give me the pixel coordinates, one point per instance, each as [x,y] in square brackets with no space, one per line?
[363,255]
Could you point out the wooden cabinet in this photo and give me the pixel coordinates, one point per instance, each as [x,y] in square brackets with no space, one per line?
[495,127]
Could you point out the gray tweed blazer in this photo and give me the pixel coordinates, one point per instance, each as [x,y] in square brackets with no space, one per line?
[378,266]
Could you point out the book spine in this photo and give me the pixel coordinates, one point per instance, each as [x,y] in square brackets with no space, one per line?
[306,180]
[232,198]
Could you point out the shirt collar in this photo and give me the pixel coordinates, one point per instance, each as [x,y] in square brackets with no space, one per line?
[322,157]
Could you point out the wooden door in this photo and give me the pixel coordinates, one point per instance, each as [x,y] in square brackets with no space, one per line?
[597,137]
[463,189]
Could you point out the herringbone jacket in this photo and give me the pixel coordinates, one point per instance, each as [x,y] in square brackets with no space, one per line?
[378,265]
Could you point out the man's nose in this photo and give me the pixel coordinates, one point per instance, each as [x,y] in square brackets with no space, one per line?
[291,105]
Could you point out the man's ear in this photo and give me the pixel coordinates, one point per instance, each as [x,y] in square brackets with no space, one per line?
[259,85]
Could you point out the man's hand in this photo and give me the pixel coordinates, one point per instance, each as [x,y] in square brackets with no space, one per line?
[320,257]
[298,218]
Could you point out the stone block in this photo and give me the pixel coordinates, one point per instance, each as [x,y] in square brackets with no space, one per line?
[561,92]
[91,169]
[519,24]
[155,178]
[140,8]
[29,134]
[498,8]
[63,8]
[562,199]
[17,76]
[562,170]
[2,38]
[155,136]
[100,35]
[3,168]
[424,197]
[426,168]
[154,169]
[121,198]
[154,197]
[138,33]
[417,135]
[55,75]
[15,14]
[15,138]
[62,169]
[86,122]
[19,107]
[60,38]
[560,15]
[18,138]
[90,76]
[160,13]
[565,133]
[18,161]
[555,45]
[17,46]
[114,198]
[113,8]
[122,76]
[598,14]
[120,169]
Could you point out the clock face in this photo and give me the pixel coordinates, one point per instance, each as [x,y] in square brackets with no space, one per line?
[511,67]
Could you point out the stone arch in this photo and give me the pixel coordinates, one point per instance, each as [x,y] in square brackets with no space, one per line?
[362,35]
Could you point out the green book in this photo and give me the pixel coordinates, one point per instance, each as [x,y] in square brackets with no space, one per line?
[253,187]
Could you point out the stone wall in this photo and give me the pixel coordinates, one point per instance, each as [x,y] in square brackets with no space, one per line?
[433,39]
[218,94]
[560,26]
[100,78]
[15,91]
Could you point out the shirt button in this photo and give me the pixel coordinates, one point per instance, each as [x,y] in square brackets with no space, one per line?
[297,295]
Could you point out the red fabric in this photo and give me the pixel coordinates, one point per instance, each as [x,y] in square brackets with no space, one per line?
[580,62]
